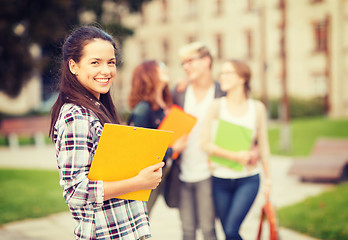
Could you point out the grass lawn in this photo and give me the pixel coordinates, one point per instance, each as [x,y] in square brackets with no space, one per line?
[36,193]
[23,140]
[323,216]
[29,194]
[304,132]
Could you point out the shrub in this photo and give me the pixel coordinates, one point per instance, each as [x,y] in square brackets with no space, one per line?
[299,107]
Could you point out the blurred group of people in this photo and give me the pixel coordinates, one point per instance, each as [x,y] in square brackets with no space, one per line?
[207,189]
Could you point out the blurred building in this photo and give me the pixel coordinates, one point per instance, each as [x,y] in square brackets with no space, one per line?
[28,99]
[303,44]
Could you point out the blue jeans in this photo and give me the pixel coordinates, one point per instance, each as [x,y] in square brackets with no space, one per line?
[233,199]
[197,209]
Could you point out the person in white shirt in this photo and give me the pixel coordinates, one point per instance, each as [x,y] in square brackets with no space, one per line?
[196,203]
[236,177]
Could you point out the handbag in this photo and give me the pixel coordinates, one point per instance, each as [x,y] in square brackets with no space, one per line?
[268,212]
[172,186]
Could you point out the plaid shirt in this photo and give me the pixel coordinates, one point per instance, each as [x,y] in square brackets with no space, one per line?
[76,135]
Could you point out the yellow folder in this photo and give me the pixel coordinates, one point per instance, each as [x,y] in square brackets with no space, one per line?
[125,150]
[178,121]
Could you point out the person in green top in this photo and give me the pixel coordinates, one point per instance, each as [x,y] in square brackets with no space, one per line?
[244,120]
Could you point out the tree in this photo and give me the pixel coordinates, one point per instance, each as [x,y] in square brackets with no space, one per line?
[24,23]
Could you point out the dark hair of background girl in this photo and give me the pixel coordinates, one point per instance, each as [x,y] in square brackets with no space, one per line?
[71,90]
[144,82]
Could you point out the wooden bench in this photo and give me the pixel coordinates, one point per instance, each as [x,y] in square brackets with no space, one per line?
[36,127]
[327,162]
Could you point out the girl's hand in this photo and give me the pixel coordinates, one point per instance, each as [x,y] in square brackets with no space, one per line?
[182,85]
[254,157]
[150,177]
[267,188]
[180,144]
[243,157]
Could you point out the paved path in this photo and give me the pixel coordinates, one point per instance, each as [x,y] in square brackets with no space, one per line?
[165,223]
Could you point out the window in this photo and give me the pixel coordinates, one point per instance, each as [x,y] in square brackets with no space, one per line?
[165,47]
[218,40]
[315,1]
[250,5]
[142,50]
[164,14]
[191,39]
[345,33]
[321,35]
[191,9]
[281,4]
[249,44]
[282,41]
[142,14]
[218,7]
[321,89]
[319,83]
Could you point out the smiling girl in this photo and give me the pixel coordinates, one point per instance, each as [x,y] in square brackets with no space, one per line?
[83,106]
[234,190]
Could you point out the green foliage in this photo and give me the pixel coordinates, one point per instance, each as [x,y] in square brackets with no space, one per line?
[304,133]
[2,140]
[23,140]
[118,30]
[135,5]
[299,107]
[322,216]
[29,194]
[46,23]
[26,22]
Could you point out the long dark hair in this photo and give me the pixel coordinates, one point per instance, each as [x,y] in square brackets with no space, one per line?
[71,90]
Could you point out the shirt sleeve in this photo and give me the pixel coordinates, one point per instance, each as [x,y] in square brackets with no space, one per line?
[76,140]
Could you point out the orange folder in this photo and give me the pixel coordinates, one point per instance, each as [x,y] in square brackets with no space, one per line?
[178,121]
[125,150]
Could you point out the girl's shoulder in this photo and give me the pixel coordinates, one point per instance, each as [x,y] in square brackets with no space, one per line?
[78,120]
[259,106]
[70,112]
[215,107]
[260,111]
[73,108]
